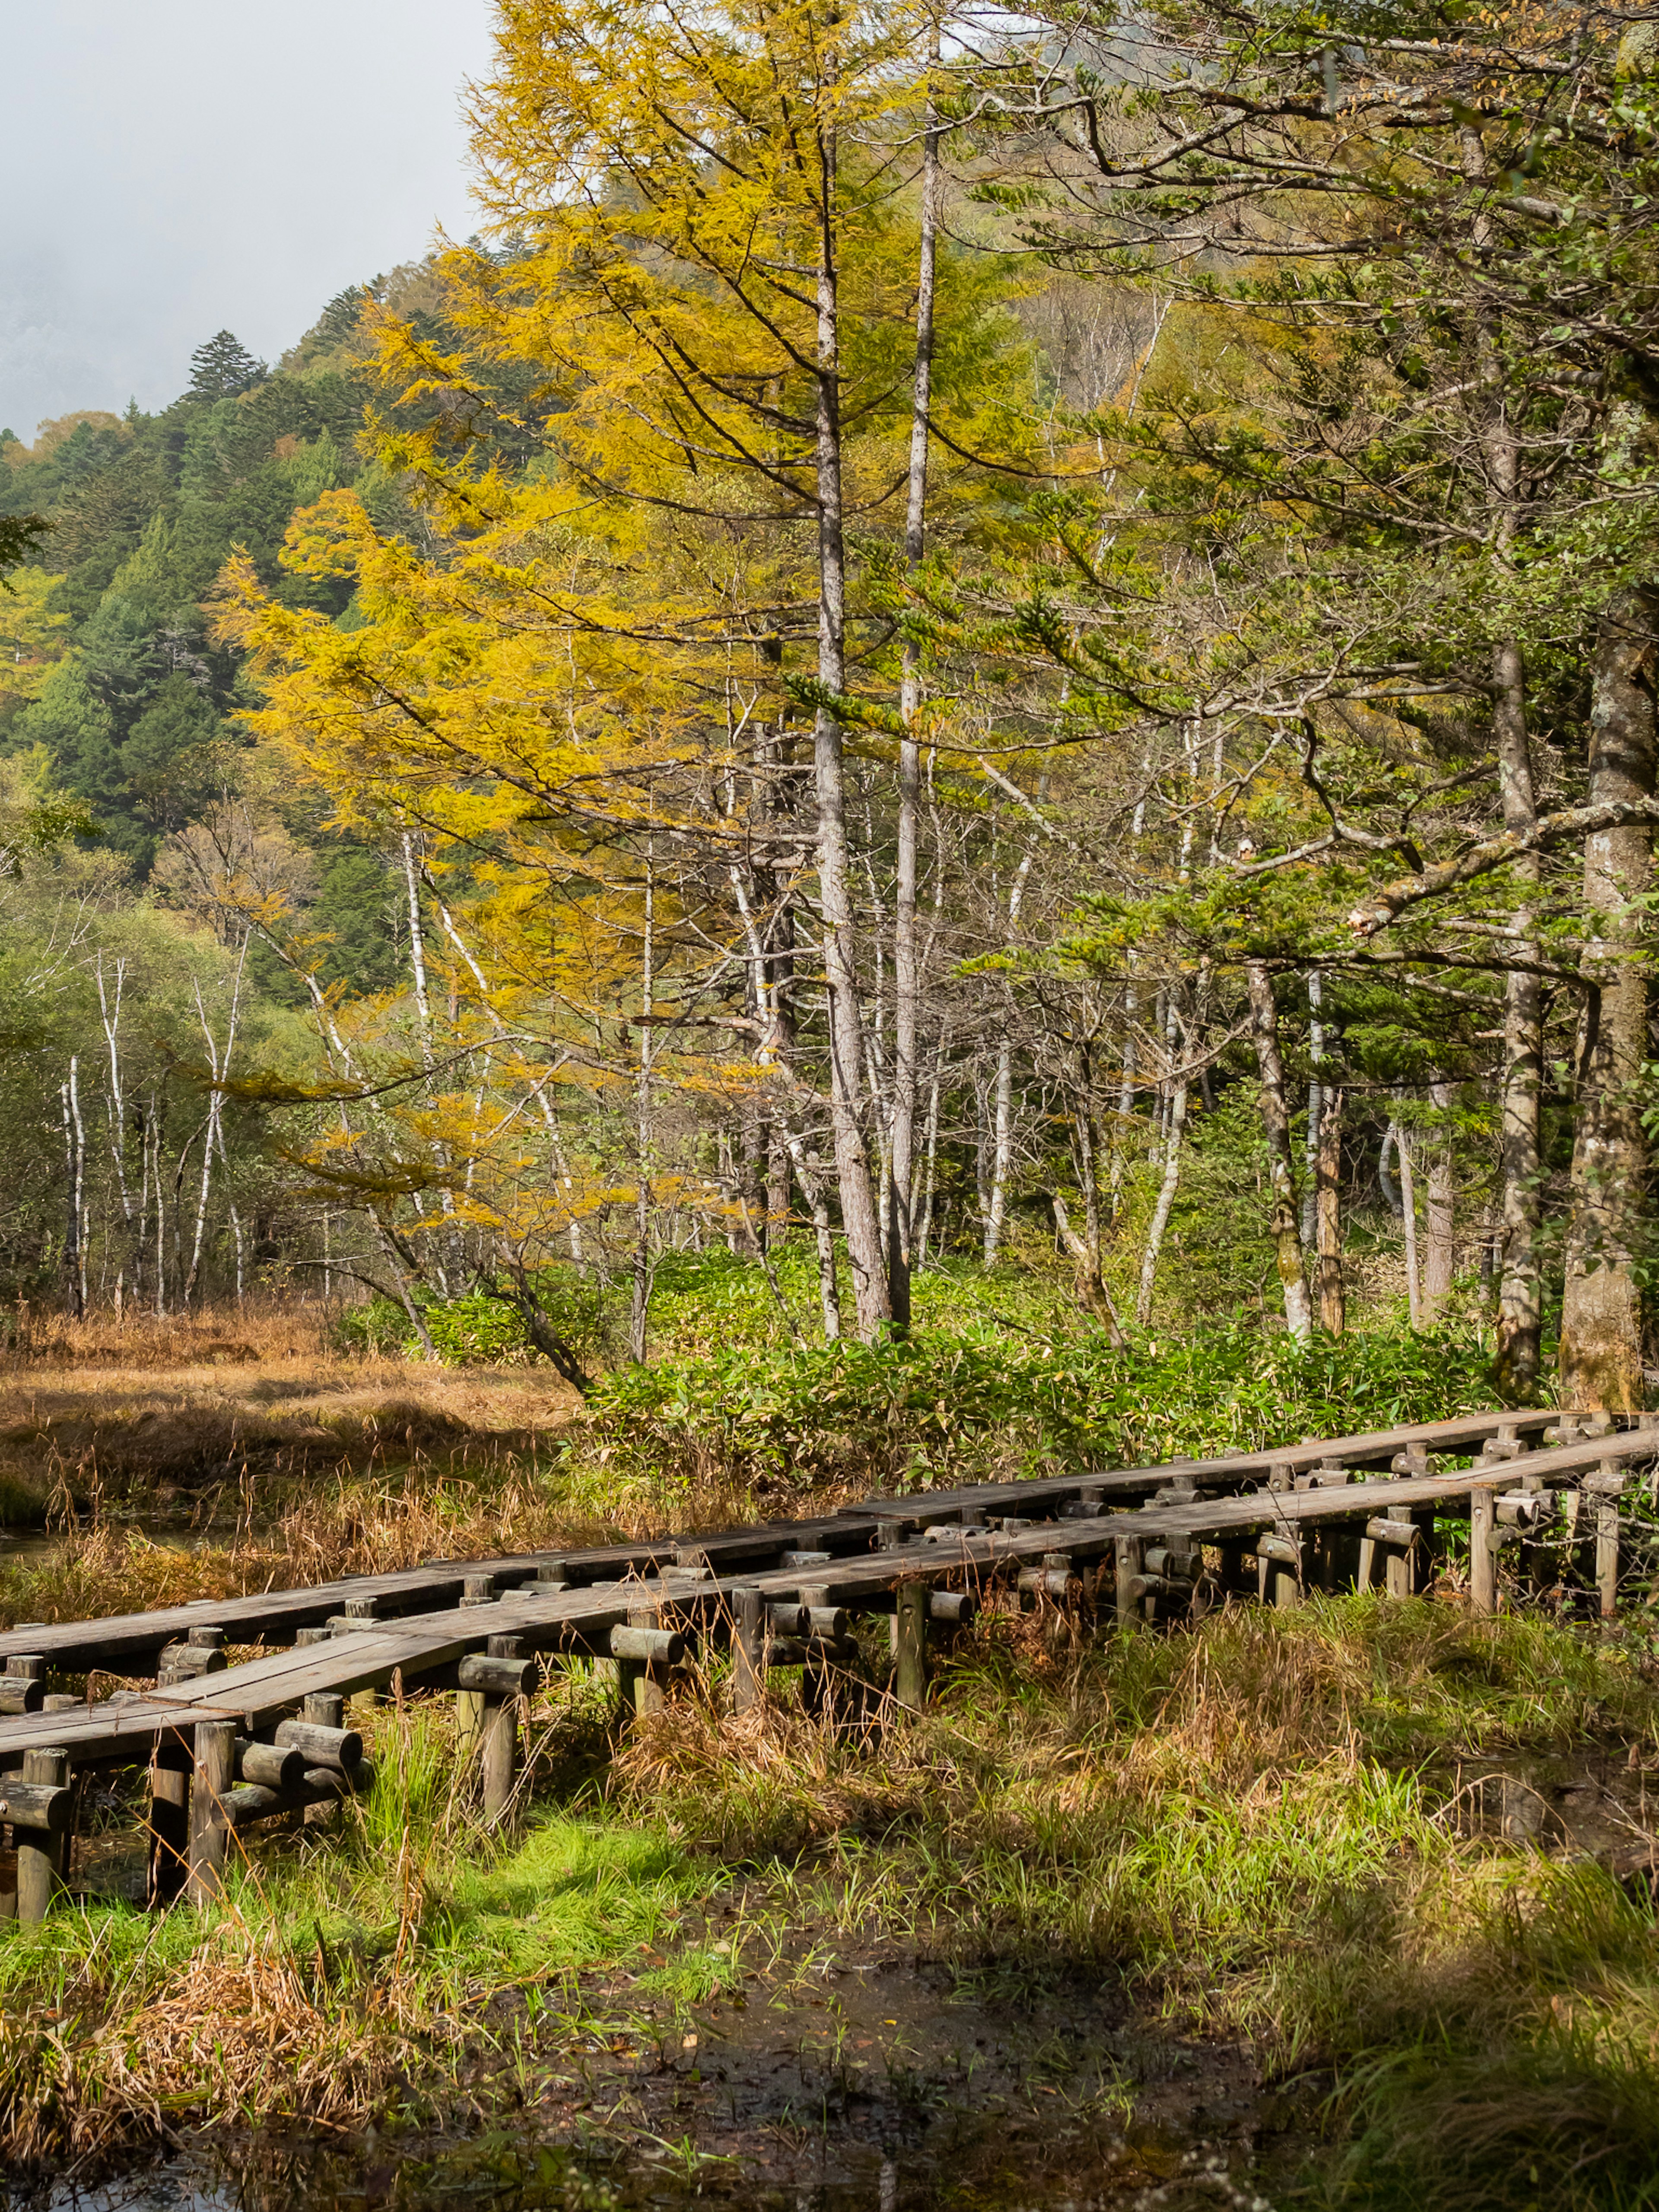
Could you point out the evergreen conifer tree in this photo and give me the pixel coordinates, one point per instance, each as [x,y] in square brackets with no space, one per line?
[223,367]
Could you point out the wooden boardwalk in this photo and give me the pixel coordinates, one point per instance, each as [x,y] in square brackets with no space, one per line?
[226,1745]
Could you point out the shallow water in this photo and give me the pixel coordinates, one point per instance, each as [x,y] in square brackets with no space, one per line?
[1093,2173]
[887,2084]
[169,1532]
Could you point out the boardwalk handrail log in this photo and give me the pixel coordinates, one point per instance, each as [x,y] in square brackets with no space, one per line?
[228,1746]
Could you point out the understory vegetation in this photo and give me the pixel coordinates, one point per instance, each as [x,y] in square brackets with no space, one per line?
[1270,1828]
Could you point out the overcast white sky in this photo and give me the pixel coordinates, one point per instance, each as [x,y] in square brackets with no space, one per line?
[169,168]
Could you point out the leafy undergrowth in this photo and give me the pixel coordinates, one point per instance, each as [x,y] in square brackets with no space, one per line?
[1001,1375]
[977,1400]
[1248,1825]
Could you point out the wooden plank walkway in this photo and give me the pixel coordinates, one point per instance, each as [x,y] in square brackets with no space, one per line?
[120,1643]
[1322,1515]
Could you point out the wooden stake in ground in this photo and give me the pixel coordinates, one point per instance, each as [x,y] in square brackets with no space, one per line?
[1483,1562]
[42,1851]
[169,1822]
[211,1784]
[910,1637]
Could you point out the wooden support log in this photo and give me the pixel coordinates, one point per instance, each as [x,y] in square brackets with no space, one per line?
[499,1756]
[43,1851]
[1129,1563]
[311,1786]
[1607,1527]
[1607,1486]
[1483,1563]
[324,1711]
[648,1645]
[806,1559]
[479,1589]
[1058,1584]
[952,1608]
[1145,1586]
[273,1765]
[1279,1569]
[323,1745]
[48,1806]
[23,1686]
[804,1651]
[748,1649]
[186,1663]
[480,1674]
[1183,1561]
[169,1856]
[910,1645]
[209,1786]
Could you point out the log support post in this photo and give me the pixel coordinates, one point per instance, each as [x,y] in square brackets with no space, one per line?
[169,1822]
[42,1853]
[1483,1560]
[1607,1486]
[910,1644]
[748,1650]
[499,1735]
[644,1652]
[1279,1569]
[1129,1560]
[211,1784]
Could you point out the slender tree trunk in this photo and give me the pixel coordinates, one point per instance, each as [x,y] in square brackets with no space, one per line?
[640,1303]
[907,966]
[1520,1293]
[1327,1215]
[810,1178]
[1385,1181]
[1315,1100]
[931,1163]
[1520,1297]
[860,1219]
[74,1294]
[1276,1127]
[1601,1314]
[212,1147]
[1440,1262]
[996,1209]
[1408,1217]
[1166,1197]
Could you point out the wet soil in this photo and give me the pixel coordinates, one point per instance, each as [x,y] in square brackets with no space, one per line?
[863,2076]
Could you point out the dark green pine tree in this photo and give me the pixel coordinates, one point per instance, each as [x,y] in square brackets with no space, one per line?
[222,367]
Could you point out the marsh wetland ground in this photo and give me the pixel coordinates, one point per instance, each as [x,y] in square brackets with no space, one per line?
[1343,1905]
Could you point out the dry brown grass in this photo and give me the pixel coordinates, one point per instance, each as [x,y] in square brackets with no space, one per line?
[158,1413]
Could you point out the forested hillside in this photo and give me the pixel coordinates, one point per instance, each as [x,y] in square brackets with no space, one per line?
[1034,649]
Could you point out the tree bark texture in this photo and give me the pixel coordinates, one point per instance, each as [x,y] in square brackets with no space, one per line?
[1166,1195]
[1601,1367]
[860,1219]
[1327,1215]
[1276,1127]
[906,964]
[1441,1258]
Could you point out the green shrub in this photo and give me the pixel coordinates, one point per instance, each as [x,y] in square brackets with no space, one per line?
[933,1408]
